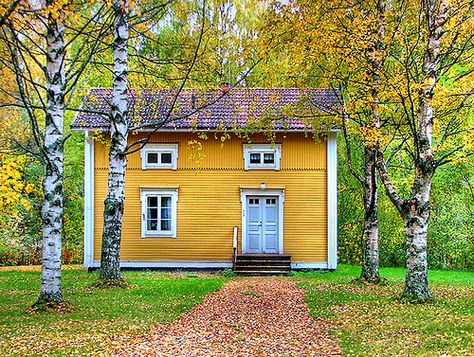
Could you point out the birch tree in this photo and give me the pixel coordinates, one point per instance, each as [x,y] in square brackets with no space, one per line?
[53,151]
[34,39]
[444,50]
[114,202]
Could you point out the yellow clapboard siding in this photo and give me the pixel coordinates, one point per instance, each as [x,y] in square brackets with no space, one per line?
[209,199]
[301,151]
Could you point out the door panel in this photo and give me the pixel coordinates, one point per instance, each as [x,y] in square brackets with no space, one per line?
[253,225]
[262,225]
[270,225]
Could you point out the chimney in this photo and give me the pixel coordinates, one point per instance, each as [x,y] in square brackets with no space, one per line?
[224,87]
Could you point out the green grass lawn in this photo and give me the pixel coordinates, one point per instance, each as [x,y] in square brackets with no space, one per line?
[100,315]
[367,320]
[370,321]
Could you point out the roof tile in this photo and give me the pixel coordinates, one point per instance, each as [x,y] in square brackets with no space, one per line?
[237,109]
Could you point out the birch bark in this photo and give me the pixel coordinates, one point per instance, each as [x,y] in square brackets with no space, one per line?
[370,251]
[114,202]
[415,211]
[370,247]
[53,154]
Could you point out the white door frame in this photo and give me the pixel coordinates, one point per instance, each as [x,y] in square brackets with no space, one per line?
[280,193]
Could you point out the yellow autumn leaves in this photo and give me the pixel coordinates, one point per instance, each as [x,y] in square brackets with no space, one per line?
[14,189]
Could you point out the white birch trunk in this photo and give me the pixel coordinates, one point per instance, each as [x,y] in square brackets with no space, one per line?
[52,211]
[417,213]
[416,210]
[114,202]
[370,249]
[416,228]
[370,246]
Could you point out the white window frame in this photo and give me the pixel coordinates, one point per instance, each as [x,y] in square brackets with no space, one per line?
[159,192]
[159,149]
[262,149]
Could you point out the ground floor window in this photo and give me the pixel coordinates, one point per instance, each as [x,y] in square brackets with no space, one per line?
[159,212]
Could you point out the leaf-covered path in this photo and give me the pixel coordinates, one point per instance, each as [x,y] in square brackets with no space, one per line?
[247,317]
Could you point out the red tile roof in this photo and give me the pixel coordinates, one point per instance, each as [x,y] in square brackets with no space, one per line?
[282,109]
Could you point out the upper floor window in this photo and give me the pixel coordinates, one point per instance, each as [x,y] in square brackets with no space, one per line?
[262,156]
[160,156]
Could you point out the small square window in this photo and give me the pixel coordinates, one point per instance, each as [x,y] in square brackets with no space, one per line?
[166,158]
[262,156]
[152,158]
[160,156]
[255,158]
[269,158]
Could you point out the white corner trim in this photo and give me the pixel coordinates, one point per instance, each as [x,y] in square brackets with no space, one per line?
[309,265]
[172,264]
[332,199]
[88,200]
[280,193]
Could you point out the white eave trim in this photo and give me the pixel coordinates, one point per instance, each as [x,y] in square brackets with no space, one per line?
[88,200]
[332,199]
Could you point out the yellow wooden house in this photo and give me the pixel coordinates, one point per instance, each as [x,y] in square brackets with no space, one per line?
[205,189]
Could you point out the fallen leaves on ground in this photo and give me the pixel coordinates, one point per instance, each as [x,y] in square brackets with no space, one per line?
[16,268]
[371,320]
[247,317]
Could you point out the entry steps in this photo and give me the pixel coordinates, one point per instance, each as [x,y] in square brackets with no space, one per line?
[262,264]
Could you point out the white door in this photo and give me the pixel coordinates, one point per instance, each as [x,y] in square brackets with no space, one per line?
[262,224]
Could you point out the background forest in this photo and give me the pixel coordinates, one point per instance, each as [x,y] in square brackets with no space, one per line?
[231,29]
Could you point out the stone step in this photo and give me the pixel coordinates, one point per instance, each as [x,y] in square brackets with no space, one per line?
[263,262]
[263,257]
[262,273]
[262,267]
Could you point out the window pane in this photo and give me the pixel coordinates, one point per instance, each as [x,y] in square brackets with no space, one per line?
[166,213]
[152,158]
[165,224]
[269,158]
[152,225]
[255,158]
[166,158]
[152,213]
[152,201]
[254,201]
[165,201]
